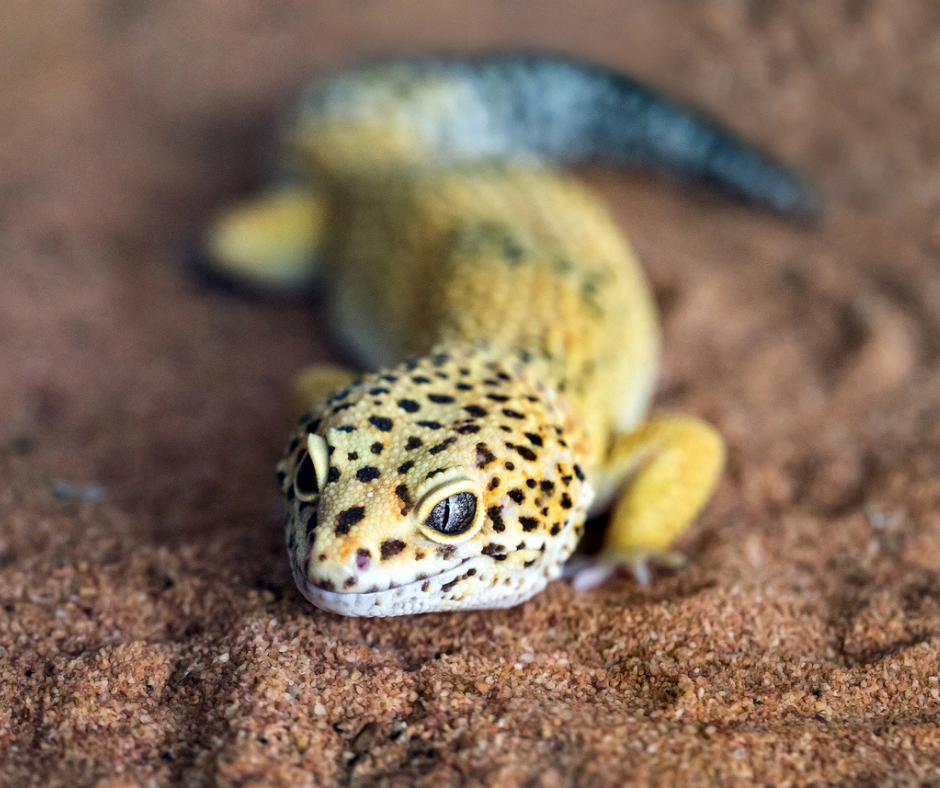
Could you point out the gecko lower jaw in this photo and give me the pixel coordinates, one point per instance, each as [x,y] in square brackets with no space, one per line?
[420,596]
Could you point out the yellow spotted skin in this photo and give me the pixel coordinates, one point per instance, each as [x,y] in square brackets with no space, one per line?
[464,411]
[516,346]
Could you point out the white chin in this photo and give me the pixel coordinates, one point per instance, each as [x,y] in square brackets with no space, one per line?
[476,591]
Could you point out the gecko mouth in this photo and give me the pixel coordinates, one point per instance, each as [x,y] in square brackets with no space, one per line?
[427,594]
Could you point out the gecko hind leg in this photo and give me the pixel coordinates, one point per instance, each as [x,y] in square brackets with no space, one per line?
[270,241]
[670,465]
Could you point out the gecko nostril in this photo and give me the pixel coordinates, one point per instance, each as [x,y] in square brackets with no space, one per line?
[363,560]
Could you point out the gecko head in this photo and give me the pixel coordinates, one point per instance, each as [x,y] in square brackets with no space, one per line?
[449,482]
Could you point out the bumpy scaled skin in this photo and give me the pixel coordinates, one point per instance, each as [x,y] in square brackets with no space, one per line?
[465,418]
[461,477]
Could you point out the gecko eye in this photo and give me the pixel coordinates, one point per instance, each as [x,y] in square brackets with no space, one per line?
[454,515]
[312,469]
[449,513]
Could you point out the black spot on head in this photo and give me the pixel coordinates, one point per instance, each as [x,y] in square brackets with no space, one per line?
[379,390]
[494,483]
[420,379]
[413,443]
[530,483]
[326,585]
[333,474]
[349,582]
[408,405]
[491,382]
[376,448]
[463,386]
[443,445]
[441,399]
[338,395]
[404,495]
[496,518]
[347,518]
[534,439]
[347,428]
[498,397]
[391,547]
[381,423]
[516,495]
[494,550]
[578,472]
[547,486]
[509,465]
[484,455]
[566,501]
[389,378]
[368,473]
[431,425]
[435,472]
[344,406]
[467,429]
[464,371]
[406,466]
[426,586]
[513,414]
[353,455]
[526,453]
[528,523]
[475,410]
[556,529]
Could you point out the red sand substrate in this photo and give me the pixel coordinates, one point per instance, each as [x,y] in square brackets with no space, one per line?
[153,636]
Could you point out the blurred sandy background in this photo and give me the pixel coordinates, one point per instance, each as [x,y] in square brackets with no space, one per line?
[149,630]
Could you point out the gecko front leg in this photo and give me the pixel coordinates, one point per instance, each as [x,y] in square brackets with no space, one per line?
[669,467]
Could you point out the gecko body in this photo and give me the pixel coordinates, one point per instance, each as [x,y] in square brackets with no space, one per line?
[513,335]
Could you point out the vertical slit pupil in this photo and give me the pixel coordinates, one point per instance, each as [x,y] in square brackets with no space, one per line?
[454,515]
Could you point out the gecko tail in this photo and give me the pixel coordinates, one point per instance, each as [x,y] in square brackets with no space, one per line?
[453,110]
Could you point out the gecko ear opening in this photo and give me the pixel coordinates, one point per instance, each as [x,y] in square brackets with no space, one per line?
[450,513]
